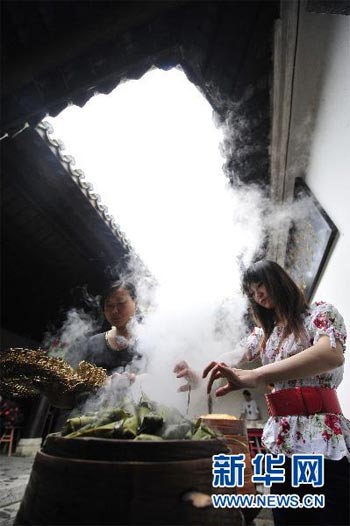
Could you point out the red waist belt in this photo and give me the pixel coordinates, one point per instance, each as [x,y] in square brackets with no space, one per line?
[303,401]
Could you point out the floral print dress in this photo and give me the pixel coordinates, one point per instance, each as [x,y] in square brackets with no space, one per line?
[327,434]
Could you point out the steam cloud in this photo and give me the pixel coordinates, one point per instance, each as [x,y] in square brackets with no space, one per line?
[190,301]
[69,342]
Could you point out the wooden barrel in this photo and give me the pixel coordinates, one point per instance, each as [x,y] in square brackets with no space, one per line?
[90,481]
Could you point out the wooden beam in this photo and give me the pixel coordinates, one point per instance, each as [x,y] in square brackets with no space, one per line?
[282,181]
[70,42]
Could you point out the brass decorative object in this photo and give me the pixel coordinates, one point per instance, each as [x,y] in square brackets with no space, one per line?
[24,372]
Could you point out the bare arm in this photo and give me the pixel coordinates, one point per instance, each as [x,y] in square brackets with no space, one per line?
[317,359]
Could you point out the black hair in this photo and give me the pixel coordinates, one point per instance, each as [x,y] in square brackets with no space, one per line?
[288,299]
[246,393]
[116,285]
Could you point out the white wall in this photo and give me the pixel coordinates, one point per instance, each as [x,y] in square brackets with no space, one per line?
[321,128]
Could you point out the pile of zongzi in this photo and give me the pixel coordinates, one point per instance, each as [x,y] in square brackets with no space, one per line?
[147,420]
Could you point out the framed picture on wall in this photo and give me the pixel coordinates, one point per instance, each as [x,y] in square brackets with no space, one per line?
[312,237]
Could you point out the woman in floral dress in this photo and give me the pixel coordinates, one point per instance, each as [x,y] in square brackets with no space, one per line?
[301,349]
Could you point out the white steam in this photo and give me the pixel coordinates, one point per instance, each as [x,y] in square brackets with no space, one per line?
[70,341]
[198,310]
[166,188]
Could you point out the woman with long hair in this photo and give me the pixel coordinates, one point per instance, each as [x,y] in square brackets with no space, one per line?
[301,348]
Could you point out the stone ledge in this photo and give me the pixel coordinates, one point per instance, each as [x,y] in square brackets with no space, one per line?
[28,447]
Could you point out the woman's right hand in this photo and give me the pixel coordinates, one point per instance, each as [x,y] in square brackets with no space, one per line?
[236,378]
[183,370]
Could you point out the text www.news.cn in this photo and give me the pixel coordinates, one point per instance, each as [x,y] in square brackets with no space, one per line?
[268,501]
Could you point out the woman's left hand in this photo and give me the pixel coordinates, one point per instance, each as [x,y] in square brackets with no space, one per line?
[236,378]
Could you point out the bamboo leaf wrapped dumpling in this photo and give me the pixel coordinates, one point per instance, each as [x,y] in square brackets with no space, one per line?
[170,415]
[151,424]
[177,431]
[106,431]
[73,424]
[111,415]
[146,419]
[203,432]
[126,428]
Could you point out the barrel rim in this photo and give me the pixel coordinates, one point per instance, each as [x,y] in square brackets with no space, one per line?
[43,456]
[94,448]
[58,436]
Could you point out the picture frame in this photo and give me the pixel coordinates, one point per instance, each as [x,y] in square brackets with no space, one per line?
[312,238]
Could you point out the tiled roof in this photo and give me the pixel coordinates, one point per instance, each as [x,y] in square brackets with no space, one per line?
[78,176]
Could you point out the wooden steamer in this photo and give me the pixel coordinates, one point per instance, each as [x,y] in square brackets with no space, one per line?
[91,481]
